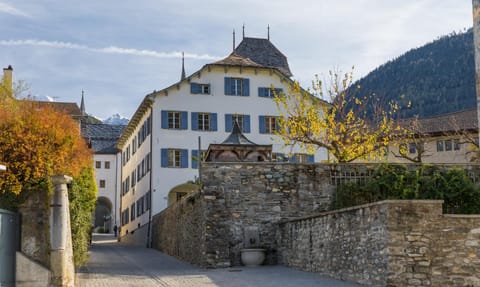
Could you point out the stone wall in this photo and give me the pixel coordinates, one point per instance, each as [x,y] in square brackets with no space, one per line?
[239,207]
[35,229]
[179,230]
[388,243]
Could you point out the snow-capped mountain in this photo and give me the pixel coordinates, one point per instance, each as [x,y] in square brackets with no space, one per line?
[116,119]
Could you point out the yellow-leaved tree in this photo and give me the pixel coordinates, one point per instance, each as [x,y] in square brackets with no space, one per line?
[348,128]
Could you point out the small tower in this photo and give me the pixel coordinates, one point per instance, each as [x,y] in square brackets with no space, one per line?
[82,106]
[182,77]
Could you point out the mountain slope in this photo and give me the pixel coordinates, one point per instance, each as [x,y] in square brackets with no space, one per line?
[437,78]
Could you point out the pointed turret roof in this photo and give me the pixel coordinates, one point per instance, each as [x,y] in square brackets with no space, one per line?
[82,105]
[237,137]
[182,77]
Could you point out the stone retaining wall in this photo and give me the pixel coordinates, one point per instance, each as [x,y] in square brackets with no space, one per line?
[388,243]
[180,231]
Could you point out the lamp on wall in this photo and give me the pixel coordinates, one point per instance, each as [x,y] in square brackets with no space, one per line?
[2,168]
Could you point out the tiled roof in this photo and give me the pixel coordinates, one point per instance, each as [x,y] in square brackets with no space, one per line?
[263,52]
[236,60]
[71,109]
[102,138]
[462,120]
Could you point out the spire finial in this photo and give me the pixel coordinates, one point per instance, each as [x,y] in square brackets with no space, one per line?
[268,32]
[82,105]
[233,40]
[243,31]
[182,77]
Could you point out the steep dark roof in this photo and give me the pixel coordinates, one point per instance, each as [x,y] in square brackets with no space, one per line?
[102,138]
[237,137]
[263,52]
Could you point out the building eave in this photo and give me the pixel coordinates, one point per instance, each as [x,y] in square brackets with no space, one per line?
[137,116]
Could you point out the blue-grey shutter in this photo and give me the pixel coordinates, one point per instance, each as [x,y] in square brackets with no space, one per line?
[184,158]
[246,123]
[246,87]
[164,119]
[164,155]
[228,123]
[279,92]
[194,121]
[262,124]
[184,120]
[195,88]
[311,158]
[228,86]
[195,158]
[213,122]
[261,92]
[293,158]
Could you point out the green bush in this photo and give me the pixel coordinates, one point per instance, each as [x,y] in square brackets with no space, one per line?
[389,181]
[82,196]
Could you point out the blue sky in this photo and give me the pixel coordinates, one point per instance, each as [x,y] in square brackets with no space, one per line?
[118,51]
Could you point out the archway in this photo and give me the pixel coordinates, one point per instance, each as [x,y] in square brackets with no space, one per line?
[103,214]
[179,191]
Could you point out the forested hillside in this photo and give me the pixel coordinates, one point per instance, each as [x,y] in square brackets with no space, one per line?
[437,78]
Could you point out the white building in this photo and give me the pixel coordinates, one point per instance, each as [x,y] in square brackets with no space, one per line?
[160,144]
[101,138]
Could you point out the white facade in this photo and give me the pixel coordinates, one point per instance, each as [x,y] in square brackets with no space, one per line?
[107,176]
[179,106]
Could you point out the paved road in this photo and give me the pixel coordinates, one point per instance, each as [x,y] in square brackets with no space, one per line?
[117,265]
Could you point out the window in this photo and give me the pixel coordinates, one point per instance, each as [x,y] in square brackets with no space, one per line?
[196,88]
[134,145]
[269,92]
[98,164]
[302,158]
[132,212]
[147,200]
[456,144]
[134,178]
[243,122]
[448,145]
[125,218]
[439,145]
[102,183]
[177,158]
[412,148]
[204,121]
[107,164]
[174,120]
[237,87]
[268,124]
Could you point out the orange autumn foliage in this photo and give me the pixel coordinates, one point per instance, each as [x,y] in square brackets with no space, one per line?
[37,142]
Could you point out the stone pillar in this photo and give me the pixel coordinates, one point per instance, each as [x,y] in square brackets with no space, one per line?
[476,45]
[61,254]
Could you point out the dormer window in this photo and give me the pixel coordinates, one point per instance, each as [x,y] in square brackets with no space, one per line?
[196,88]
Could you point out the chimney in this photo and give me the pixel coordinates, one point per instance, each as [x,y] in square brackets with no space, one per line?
[7,79]
[476,49]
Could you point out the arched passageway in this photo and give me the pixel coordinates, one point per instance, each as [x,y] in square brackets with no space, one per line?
[103,214]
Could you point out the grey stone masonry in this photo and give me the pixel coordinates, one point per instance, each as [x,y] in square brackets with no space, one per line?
[388,243]
[238,207]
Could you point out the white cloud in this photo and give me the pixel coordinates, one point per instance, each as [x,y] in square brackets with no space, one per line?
[106,50]
[9,9]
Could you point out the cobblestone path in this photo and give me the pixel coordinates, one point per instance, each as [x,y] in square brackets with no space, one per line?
[117,265]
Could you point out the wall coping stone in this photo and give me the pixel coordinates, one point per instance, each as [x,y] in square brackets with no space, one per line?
[462,215]
[383,202]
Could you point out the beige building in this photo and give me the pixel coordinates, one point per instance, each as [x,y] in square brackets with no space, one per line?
[450,139]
